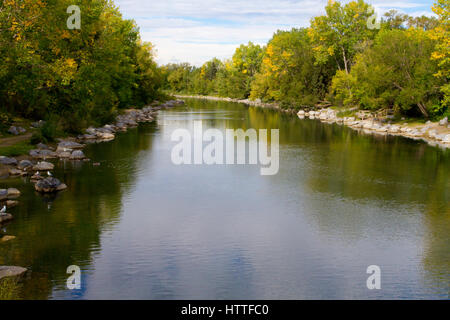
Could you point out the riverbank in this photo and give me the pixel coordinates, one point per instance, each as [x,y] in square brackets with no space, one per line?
[36,166]
[434,133]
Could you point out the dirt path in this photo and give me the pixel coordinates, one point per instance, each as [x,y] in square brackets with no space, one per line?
[6,142]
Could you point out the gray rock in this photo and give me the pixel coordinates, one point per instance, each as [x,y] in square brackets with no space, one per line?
[11,271]
[43,154]
[41,146]
[13,130]
[11,203]
[443,122]
[70,145]
[37,124]
[13,193]
[49,185]
[3,194]
[43,166]
[8,161]
[15,172]
[25,164]
[64,155]
[77,155]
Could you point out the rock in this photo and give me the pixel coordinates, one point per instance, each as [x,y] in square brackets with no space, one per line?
[37,124]
[15,172]
[446,138]
[70,145]
[61,187]
[301,113]
[432,133]
[8,161]
[105,135]
[443,122]
[3,194]
[77,155]
[41,146]
[5,217]
[13,193]
[43,166]
[35,177]
[42,154]
[11,271]
[11,203]
[25,164]
[7,238]
[49,185]
[64,155]
[394,129]
[13,130]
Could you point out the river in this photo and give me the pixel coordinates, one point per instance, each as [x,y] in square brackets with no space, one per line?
[140,227]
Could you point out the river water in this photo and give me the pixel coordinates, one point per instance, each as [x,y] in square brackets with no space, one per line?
[140,227]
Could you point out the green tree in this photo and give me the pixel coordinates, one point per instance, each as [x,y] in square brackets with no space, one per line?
[395,73]
[341,33]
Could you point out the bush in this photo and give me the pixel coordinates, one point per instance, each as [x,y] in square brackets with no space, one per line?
[5,122]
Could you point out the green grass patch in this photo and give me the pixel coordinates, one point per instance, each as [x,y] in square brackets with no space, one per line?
[346,113]
[9,289]
[18,149]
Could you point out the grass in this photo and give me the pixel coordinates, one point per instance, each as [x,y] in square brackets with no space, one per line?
[18,149]
[9,289]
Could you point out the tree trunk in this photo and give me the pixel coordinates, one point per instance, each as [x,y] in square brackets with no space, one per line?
[345,60]
[423,109]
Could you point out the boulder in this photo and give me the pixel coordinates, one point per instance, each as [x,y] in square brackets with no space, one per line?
[13,193]
[11,271]
[11,203]
[64,155]
[15,172]
[25,165]
[41,146]
[13,130]
[7,238]
[35,177]
[70,145]
[37,124]
[49,185]
[43,154]
[43,166]
[8,161]
[105,135]
[443,122]
[3,194]
[77,155]
[446,138]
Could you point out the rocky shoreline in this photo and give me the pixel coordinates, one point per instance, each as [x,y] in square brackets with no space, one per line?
[37,168]
[434,133]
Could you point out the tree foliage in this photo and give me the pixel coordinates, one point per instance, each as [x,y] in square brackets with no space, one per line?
[84,76]
[402,63]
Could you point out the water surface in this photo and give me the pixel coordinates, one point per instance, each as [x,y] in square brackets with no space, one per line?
[142,228]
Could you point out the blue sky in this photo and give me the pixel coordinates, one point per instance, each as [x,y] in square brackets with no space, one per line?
[195,31]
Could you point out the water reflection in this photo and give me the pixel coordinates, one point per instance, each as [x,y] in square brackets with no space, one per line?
[141,227]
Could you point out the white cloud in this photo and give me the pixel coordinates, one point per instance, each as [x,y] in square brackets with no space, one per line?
[198,30]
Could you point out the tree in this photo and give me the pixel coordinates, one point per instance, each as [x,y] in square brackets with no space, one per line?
[441,53]
[289,73]
[395,73]
[341,33]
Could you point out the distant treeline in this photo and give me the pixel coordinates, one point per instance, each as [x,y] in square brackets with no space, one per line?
[75,77]
[344,58]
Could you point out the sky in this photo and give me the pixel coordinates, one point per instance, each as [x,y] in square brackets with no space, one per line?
[196,31]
